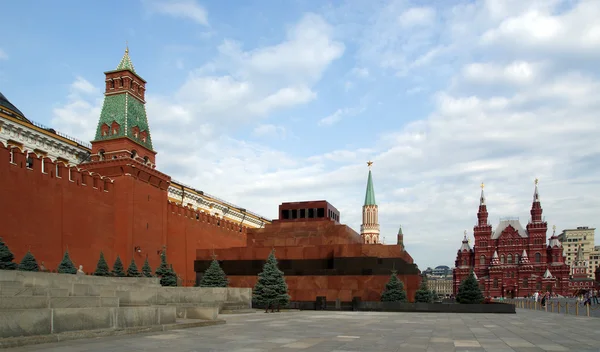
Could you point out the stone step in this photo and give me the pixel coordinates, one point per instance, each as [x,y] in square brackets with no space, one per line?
[237,311]
[50,292]
[36,302]
[14,288]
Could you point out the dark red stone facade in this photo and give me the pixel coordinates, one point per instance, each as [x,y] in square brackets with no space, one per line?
[325,259]
[512,261]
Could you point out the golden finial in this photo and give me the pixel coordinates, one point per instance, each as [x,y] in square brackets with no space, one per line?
[536,181]
[369,163]
[126,47]
[482,185]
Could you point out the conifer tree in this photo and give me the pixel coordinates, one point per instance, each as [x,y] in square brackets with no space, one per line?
[423,295]
[132,270]
[102,268]
[163,268]
[214,276]
[66,266]
[394,290]
[28,263]
[6,257]
[118,268]
[271,288]
[434,296]
[146,269]
[169,278]
[468,291]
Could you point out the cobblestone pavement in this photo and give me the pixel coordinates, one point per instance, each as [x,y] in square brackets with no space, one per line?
[362,331]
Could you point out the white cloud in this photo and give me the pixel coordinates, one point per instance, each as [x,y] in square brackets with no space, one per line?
[189,9]
[417,16]
[339,114]
[269,130]
[79,116]
[3,55]
[361,72]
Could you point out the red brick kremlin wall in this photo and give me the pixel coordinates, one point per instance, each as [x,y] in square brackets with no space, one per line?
[89,213]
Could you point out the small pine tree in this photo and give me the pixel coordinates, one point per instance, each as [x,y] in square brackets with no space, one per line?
[271,288]
[423,295]
[163,268]
[118,268]
[146,269]
[102,268]
[169,278]
[434,296]
[66,265]
[469,291]
[28,263]
[132,270]
[394,290]
[214,276]
[6,257]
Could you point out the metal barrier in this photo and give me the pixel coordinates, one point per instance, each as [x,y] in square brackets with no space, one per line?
[578,308]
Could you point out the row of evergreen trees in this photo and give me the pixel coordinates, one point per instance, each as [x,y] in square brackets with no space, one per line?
[167,275]
[468,291]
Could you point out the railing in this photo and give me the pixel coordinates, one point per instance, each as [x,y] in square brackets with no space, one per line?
[52,130]
[231,205]
[577,308]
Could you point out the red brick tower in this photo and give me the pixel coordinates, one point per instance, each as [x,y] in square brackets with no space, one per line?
[536,229]
[482,232]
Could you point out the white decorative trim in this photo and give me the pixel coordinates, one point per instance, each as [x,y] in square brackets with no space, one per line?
[33,139]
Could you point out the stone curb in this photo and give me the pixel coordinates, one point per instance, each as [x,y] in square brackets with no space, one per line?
[88,334]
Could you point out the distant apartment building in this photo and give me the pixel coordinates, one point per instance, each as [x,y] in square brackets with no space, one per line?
[582,236]
[440,280]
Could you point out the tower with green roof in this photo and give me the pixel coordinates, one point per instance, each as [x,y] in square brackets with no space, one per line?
[369,230]
[123,130]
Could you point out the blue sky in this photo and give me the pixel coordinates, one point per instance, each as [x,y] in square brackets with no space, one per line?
[261,102]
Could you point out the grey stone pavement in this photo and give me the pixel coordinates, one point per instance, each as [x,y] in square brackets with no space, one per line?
[309,331]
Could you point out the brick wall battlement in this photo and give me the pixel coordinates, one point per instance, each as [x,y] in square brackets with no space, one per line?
[195,215]
[35,163]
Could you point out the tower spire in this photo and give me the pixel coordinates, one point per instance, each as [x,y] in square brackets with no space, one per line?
[369,230]
[123,130]
[482,213]
[536,206]
[400,238]
[482,198]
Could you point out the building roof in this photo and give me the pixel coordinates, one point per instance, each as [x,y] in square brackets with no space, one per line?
[126,63]
[5,103]
[506,223]
[370,195]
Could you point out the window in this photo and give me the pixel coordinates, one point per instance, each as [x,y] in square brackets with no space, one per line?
[482,260]
[516,259]
[101,154]
[133,154]
[146,160]
[495,283]
[525,282]
[509,259]
[538,258]
[29,161]
[502,259]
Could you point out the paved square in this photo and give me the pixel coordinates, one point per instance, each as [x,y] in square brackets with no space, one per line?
[310,331]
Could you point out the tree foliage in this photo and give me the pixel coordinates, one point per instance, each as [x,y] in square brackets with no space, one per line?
[214,276]
[423,295]
[132,270]
[102,268]
[66,265]
[394,290]
[167,275]
[6,257]
[28,263]
[469,291]
[118,269]
[271,288]
[146,269]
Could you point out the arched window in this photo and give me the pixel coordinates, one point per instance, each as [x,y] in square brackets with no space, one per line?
[509,242]
[538,286]
[464,262]
[146,160]
[538,257]
[101,154]
[502,259]
[516,259]
[509,259]
[482,260]
[495,283]
[133,154]
[525,282]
